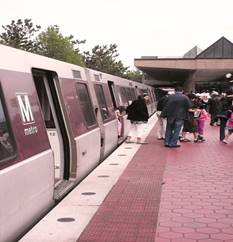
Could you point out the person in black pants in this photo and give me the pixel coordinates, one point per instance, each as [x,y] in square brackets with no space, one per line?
[214,107]
[223,115]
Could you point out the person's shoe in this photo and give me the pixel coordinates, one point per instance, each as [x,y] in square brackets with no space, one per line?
[201,138]
[224,141]
[174,146]
[161,138]
[166,145]
[185,140]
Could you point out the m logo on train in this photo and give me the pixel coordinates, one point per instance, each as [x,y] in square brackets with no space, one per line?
[26,113]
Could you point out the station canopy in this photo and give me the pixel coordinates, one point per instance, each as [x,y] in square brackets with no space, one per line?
[206,69]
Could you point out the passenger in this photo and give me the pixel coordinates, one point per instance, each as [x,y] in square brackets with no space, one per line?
[6,148]
[225,104]
[190,124]
[229,126]
[176,111]
[214,108]
[203,116]
[138,116]
[119,115]
[205,102]
[162,122]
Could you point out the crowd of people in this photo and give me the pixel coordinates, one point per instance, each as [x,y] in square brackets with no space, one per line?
[180,115]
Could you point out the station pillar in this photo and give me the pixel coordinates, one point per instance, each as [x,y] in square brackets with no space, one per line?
[189,84]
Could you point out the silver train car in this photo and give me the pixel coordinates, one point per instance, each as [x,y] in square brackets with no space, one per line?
[57,123]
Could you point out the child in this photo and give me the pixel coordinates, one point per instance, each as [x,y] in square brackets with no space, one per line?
[229,126]
[203,115]
[119,115]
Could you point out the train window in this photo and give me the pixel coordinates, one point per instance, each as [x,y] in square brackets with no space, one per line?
[44,101]
[86,105]
[130,95]
[6,140]
[102,102]
[124,96]
[150,95]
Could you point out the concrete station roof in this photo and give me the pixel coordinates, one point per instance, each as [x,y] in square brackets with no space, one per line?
[208,67]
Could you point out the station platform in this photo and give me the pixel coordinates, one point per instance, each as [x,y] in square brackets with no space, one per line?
[149,193]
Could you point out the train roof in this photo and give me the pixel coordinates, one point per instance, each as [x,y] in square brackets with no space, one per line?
[23,61]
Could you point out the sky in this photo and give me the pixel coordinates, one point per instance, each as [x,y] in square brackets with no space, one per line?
[164,28]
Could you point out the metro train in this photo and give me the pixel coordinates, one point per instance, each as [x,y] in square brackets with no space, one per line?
[57,123]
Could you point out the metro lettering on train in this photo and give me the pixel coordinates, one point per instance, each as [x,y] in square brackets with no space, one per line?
[25,108]
[26,113]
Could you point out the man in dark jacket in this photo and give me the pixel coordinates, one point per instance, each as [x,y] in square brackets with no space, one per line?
[176,111]
[138,116]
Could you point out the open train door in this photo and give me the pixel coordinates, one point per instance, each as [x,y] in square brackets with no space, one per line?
[47,86]
[118,108]
[113,94]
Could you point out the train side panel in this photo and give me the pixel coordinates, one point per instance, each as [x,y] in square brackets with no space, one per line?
[85,129]
[26,194]
[27,179]
[88,152]
[105,114]
[110,137]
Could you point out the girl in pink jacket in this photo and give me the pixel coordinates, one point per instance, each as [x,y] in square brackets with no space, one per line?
[203,116]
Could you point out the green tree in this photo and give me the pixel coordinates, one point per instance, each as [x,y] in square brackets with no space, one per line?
[104,58]
[19,34]
[53,44]
[134,75]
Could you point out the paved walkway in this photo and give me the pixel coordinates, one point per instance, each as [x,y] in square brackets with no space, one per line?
[129,212]
[170,195]
[197,197]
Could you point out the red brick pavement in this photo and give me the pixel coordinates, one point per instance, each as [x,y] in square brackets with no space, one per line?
[197,197]
[196,202]
[129,212]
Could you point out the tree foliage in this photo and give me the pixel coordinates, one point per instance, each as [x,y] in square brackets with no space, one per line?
[19,34]
[134,75]
[104,58]
[53,44]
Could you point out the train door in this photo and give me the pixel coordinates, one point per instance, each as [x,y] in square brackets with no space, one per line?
[113,94]
[109,121]
[47,89]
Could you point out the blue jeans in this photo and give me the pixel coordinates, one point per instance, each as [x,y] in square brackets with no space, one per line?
[172,131]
